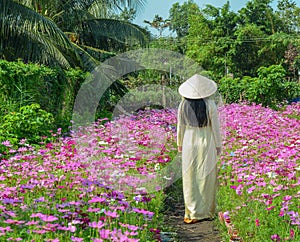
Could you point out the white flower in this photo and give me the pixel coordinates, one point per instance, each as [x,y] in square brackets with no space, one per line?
[157,167]
[102,143]
[279,160]
[271,174]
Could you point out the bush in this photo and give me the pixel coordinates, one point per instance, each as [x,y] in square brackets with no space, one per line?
[269,88]
[231,89]
[30,122]
[53,89]
[23,84]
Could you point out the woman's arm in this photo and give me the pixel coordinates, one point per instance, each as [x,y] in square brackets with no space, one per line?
[215,125]
[180,127]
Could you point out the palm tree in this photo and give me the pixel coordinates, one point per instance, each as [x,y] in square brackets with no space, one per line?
[66,33]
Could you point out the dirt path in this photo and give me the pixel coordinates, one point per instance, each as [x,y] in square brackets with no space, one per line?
[205,231]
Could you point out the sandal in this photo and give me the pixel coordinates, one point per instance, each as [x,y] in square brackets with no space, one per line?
[190,221]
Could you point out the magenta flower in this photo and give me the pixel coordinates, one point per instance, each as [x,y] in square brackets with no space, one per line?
[36,215]
[5,229]
[11,221]
[7,143]
[112,214]
[270,208]
[143,211]
[275,237]
[104,233]
[257,222]
[70,228]
[76,239]
[251,189]
[48,218]
[14,239]
[97,240]
[97,200]
[287,198]
[97,225]
[32,222]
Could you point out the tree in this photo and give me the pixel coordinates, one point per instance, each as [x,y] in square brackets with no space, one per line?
[289,13]
[292,58]
[245,52]
[179,17]
[210,38]
[65,33]
[159,24]
[260,13]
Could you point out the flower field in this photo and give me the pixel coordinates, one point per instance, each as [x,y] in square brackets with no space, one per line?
[89,187]
[259,173]
[96,185]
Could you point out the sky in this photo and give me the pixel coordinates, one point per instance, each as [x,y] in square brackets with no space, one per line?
[162,7]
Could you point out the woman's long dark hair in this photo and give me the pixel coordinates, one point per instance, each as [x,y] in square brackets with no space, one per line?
[194,112]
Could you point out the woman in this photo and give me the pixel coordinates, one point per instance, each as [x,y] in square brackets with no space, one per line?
[199,140]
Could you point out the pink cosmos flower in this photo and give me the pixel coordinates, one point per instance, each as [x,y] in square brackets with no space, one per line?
[14,239]
[97,225]
[32,222]
[5,229]
[36,215]
[257,222]
[270,208]
[251,189]
[287,198]
[93,210]
[7,143]
[97,200]
[70,228]
[112,214]
[11,221]
[275,237]
[48,218]
[76,239]
[104,233]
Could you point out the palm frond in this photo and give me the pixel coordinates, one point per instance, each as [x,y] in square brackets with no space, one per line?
[137,5]
[95,32]
[23,32]
[89,63]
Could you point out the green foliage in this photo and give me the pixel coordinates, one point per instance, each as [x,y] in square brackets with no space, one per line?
[179,15]
[30,122]
[158,23]
[149,96]
[72,79]
[240,43]
[261,14]
[57,33]
[270,87]
[232,89]
[210,47]
[53,89]
[267,88]
[245,57]
[22,84]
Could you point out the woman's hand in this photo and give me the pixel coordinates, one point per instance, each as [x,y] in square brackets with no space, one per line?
[219,150]
[179,148]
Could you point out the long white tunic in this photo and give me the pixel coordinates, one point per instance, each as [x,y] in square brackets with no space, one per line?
[199,159]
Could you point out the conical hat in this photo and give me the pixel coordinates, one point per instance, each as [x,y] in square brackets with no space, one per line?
[197,87]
